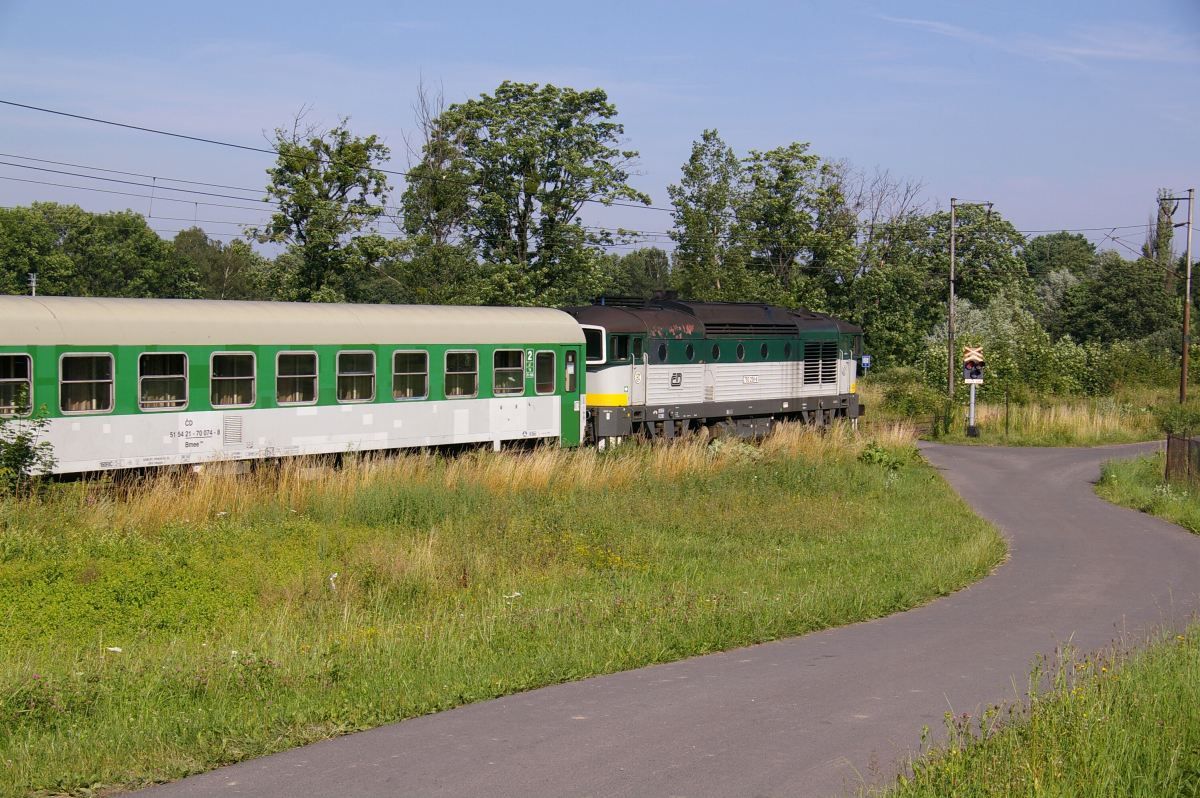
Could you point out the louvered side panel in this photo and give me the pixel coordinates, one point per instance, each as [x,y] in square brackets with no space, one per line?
[233,432]
[738,382]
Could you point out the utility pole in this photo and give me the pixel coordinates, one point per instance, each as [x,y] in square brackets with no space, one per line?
[33,283]
[1187,296]
[950,358]
[950,312]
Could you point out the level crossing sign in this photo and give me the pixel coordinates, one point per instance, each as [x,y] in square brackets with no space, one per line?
[973,365]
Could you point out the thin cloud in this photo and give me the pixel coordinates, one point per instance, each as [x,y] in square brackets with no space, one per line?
[1123,43]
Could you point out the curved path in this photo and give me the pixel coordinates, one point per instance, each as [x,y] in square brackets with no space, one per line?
[809,716]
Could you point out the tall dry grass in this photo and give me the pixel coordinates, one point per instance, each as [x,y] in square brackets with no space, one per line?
[181,496]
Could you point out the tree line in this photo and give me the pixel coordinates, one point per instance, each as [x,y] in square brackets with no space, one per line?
[492,207]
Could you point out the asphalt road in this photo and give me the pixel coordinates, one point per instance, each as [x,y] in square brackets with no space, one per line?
[811,716]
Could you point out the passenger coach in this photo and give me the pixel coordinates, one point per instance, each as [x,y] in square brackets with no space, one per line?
[131,383]
[662,367]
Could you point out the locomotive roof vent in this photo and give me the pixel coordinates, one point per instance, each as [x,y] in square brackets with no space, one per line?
[749,329]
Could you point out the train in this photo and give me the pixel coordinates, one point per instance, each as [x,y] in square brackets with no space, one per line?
[141,383]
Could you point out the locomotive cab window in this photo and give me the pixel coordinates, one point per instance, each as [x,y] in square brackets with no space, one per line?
[16,385]
[593,339]
[544,377]
[462,375]
[86,383]
[296,378]
[508,375]
[637,350]
[355,376]
[232,382]
[162,381]
[410,375]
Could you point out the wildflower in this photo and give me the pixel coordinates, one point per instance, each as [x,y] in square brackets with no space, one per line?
[513,595]
[114,649]
[333,581]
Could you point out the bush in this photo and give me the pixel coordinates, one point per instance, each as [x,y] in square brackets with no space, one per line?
[905,393]
[23,458]
[1179,419]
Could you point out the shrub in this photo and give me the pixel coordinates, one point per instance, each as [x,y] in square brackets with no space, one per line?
[23,458]
[1179,419]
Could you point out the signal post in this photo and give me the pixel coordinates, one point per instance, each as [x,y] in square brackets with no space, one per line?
[972,375]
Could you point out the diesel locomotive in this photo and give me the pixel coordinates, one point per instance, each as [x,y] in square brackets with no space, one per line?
[664,367]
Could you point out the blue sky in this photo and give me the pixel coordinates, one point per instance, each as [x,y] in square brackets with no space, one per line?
[1066,114]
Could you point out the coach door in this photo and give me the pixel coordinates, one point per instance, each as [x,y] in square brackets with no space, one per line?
[637,387]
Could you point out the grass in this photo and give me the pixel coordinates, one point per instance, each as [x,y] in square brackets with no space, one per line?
[1128,417]
[1140,483]
[1123,724]
[1118,724]
[199,620]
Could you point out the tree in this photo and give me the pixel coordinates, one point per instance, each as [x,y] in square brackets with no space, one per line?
[438,265]
[1159,239]
[1071,252]
[709,261]
[793,218]
[987,254]
[223,271]
[1121,300]
[78,253]
[508,175]
[640,273]
[330,189]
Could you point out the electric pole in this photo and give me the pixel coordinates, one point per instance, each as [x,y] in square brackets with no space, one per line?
[33,283]
[1187,294]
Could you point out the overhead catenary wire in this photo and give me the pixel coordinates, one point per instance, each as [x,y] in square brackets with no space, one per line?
[273,151]
[648,235]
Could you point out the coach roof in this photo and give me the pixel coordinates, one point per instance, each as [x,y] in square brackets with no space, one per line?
[92,321]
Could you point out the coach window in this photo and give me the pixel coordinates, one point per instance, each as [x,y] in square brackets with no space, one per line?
[762,351]
[410,375]
[16,386]
[86,383]
[716,351]
[508,374]
[741,352]
[462,374]
[543,382]
[296,378]
[689,352]
[355,376]
[787,350]
[662,353]
[570,383]
[232,381]
[162,381]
